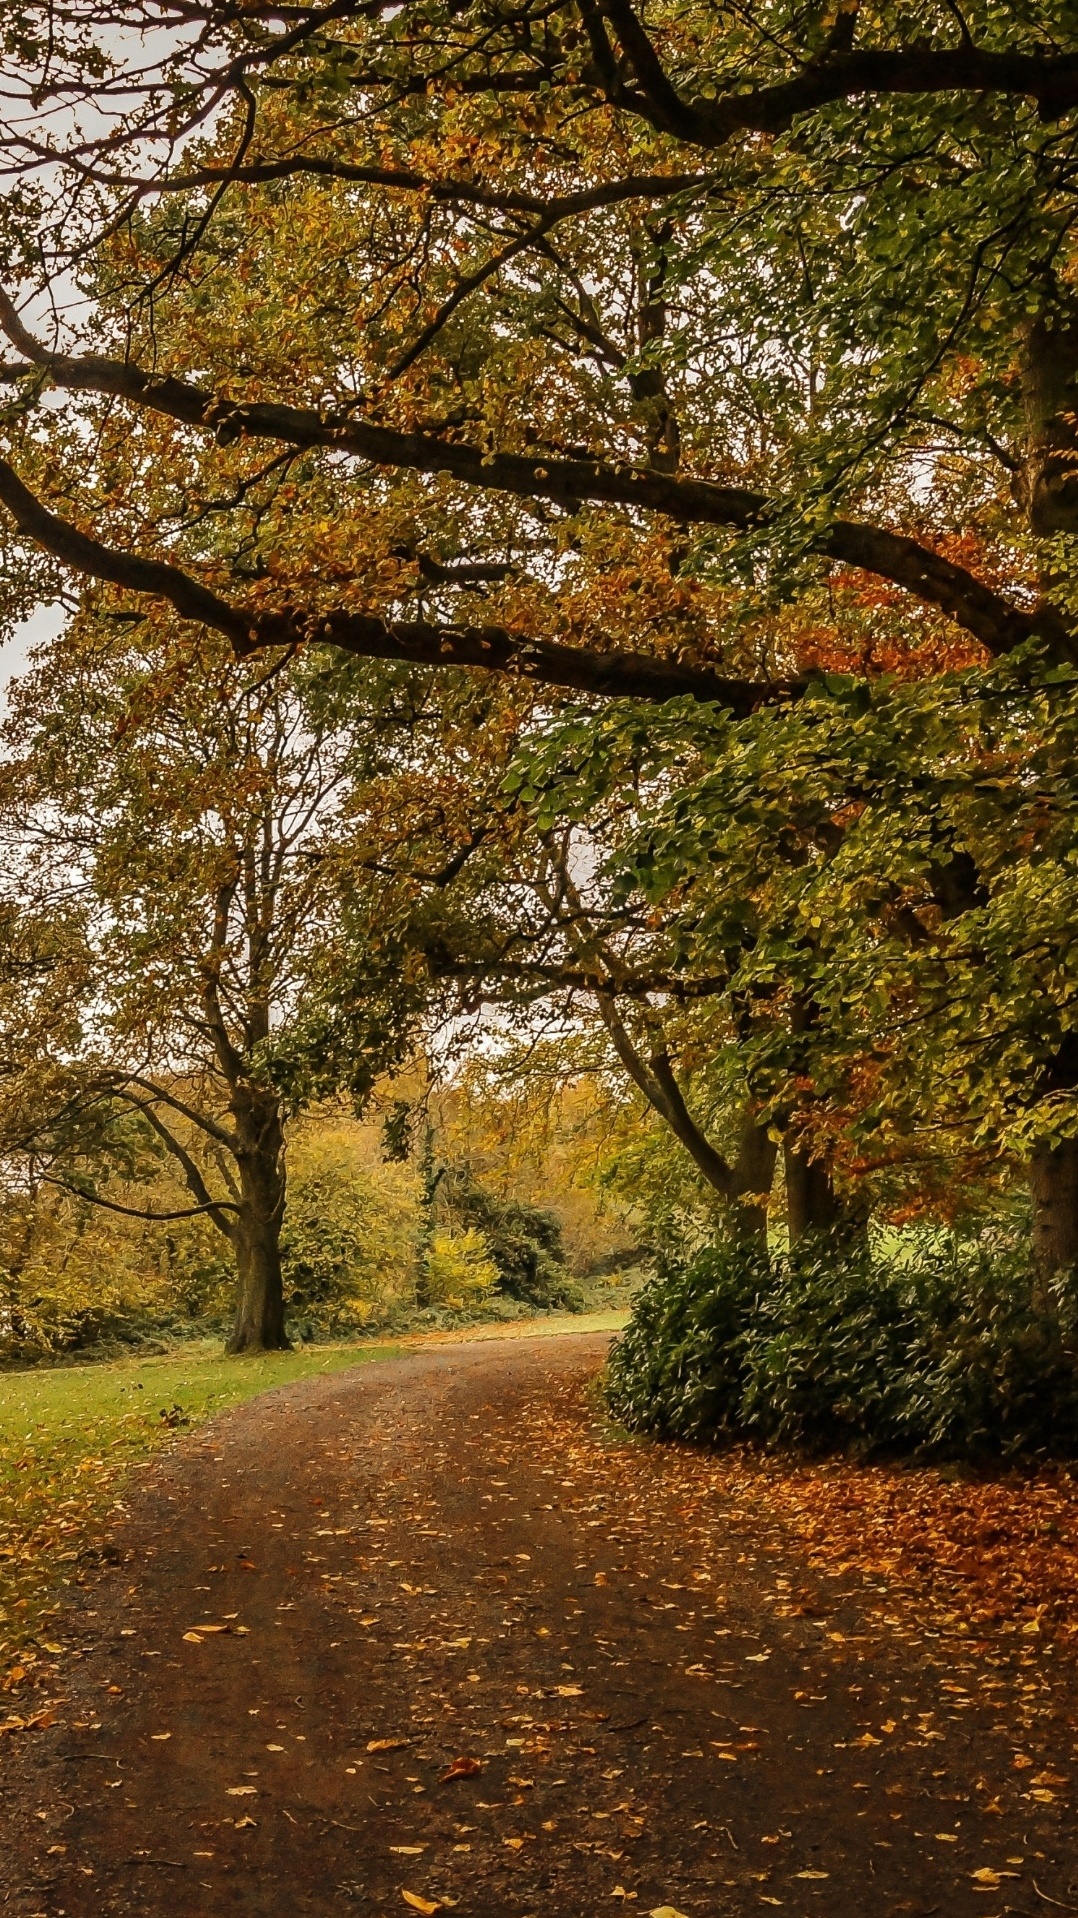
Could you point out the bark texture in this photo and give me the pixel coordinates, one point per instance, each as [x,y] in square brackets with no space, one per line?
[259,1323]
[813,1204]
[1053,1179]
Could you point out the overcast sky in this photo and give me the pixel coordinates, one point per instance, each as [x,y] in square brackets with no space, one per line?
[16,645]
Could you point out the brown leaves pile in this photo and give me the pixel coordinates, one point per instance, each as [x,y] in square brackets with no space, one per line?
[991,1552]
[999,1552]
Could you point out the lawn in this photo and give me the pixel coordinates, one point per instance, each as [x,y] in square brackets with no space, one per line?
[70,1435]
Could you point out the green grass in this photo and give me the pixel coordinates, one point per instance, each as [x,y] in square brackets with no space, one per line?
[70,1435]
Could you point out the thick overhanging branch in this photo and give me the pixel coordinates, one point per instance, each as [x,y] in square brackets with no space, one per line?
[492,648]
[625,69]
[444,192]
[994,620]
[1040,74]
[155,578]
[610,675]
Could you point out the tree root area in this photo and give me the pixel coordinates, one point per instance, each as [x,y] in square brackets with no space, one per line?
[426,1636]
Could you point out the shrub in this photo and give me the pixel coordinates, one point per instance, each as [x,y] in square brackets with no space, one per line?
[933,1351]
[457,1271]
[349,1236]
[523,1241]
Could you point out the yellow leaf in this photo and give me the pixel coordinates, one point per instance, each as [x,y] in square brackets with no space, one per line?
[410,1851]
[420,1904]
[665,1911]
[388,1744]
[242,1791]
[192,1638]
[569,1691]
[812,1874]
[515,1844]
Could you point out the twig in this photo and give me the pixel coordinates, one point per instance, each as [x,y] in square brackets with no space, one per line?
[1052,1901]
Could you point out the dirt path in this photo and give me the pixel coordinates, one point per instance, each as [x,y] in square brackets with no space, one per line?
[440,1559]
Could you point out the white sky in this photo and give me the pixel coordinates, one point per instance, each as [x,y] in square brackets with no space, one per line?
[16,645]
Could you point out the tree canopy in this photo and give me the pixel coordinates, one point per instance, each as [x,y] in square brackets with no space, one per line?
[704,384]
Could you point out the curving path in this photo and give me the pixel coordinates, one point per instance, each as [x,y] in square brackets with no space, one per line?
[342,1592]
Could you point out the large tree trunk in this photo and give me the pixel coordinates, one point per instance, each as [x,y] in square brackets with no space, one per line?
[813,1206]
[1053,1179]
[752,1175]
[1050,476]
[1050,391]
[259,1324]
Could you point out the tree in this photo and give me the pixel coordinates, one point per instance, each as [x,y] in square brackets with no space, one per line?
[590,345]
[188,809]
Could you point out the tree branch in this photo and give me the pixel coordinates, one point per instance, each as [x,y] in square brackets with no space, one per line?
[1049,78]
[656,1081]
[990,617]
[607,675]
[136,1212]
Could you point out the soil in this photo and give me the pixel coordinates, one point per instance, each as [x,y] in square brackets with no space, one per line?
[425,1635]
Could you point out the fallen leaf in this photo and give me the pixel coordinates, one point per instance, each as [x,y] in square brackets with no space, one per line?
[460,1768]
[243,1824]
[812,1874]
[388,1744]
[192,1638]
[569,1691]
[409,1851]
[417,1903]
[515,1844]
[242,1791]
[665,1911]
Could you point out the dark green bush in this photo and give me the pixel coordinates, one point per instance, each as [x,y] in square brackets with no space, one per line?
[935,1352]
[523,1241]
